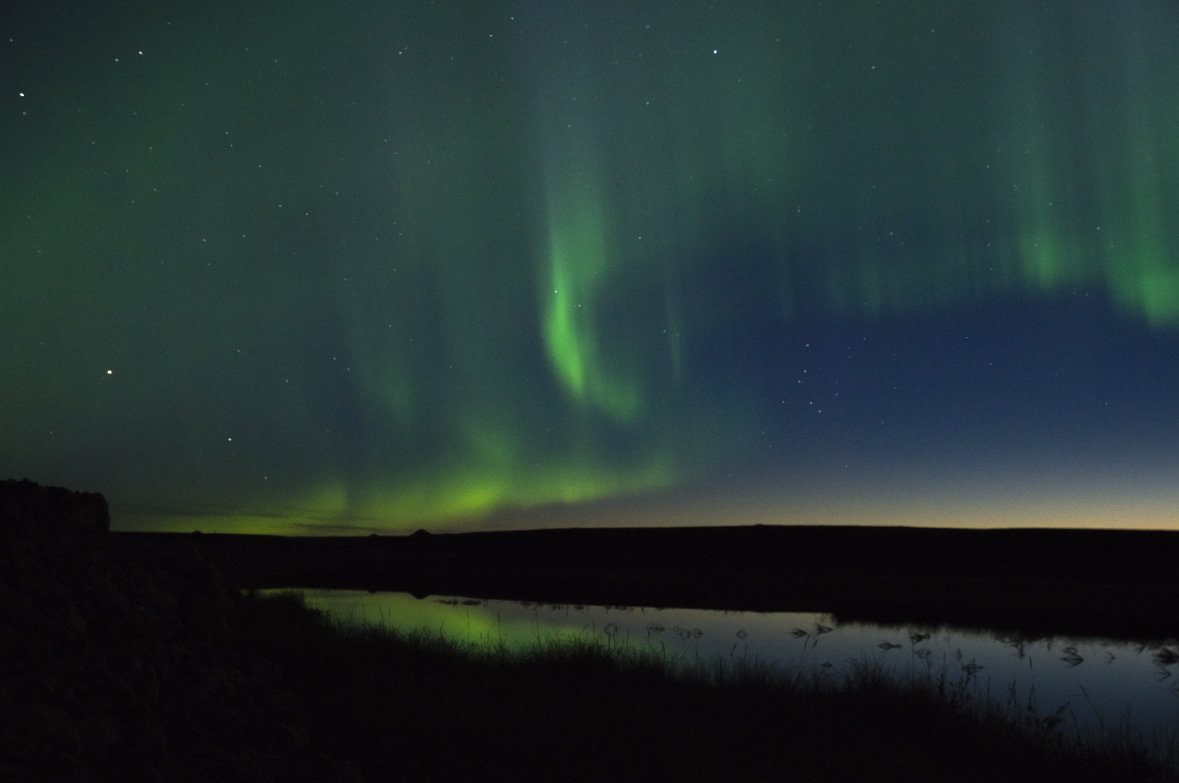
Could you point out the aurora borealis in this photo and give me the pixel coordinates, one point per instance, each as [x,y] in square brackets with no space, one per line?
[377,266]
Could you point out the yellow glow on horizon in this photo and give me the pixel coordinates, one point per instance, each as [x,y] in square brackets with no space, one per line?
[1151,513]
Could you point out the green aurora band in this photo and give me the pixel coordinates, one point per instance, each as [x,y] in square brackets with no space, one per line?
[389,268]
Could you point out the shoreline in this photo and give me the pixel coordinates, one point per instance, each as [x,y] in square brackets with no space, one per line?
[1037,582]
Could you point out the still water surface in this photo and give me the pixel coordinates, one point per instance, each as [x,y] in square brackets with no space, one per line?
[1094,686]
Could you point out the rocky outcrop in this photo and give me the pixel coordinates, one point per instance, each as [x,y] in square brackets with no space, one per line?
[29,508]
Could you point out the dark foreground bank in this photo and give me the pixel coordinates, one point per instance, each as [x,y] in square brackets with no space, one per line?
[121,668]
[1114,584]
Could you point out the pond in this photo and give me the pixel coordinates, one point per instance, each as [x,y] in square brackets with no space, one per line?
[1098,687]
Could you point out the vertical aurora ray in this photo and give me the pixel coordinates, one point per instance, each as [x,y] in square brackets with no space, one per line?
[1037,107]
[579,268]
[1145,263]
[1091,178]
[658,134]
[583,256]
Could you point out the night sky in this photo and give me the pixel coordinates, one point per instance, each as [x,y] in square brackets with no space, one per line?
[338,267]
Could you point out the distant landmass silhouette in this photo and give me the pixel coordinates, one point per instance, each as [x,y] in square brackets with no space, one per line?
[26,508]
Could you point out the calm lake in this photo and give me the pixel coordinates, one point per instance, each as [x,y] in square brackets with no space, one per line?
[1094,686]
